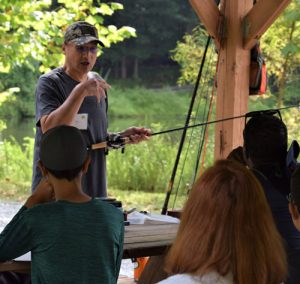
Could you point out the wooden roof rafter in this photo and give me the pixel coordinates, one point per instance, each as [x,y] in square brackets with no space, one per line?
[260,18]
[210,17]
[235,28]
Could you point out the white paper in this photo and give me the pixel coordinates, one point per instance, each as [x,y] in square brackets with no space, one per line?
[150,218]
[24,257]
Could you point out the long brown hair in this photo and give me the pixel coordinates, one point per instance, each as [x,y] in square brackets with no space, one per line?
[227,227]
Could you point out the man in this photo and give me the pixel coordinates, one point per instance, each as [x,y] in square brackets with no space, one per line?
[70,95]
[265,146]
[294,198]
[75,239]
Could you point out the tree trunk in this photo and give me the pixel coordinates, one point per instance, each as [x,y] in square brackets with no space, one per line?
[136,68]
[123,68]
[283,76]
[281,85]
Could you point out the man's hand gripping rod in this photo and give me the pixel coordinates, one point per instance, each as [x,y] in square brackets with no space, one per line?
[114,141]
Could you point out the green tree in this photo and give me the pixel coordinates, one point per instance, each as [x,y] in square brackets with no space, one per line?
[281,46]
[31,35]
[32,31]
[189,52]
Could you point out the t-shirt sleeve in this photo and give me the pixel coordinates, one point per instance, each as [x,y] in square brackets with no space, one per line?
[120,252]
[47,97]
[15,239]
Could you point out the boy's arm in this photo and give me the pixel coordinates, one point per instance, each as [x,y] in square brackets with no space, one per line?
[16,238]
[43,193]
[120,253]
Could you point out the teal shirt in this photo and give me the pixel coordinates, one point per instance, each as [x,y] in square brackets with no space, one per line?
[69,242]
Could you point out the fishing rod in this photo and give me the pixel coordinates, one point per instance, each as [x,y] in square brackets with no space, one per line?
[249,114]
[183,136]
[116,141]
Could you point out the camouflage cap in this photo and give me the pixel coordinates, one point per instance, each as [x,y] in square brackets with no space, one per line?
[81,33]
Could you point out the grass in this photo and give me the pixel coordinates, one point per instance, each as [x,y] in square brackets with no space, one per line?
[138,177]
[142,101]
[144,167]
[142,201]
[14,191]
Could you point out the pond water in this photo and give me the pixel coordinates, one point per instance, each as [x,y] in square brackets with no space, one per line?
[26,127]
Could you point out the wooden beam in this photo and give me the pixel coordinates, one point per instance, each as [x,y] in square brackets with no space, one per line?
[233,80]
[260,18]
[209,16]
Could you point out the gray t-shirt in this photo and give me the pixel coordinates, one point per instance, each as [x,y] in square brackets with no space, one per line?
[69,242]
[52,90]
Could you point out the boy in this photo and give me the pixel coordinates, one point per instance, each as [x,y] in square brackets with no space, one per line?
[72,237]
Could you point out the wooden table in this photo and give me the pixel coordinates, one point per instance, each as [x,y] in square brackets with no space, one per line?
[139,240]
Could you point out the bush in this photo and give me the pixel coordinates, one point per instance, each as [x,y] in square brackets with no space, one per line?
[16,166]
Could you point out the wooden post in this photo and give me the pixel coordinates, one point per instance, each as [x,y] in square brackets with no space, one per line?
[232,79]
[241,27]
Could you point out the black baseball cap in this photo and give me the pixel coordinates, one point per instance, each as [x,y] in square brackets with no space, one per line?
[63,148]
[81,33]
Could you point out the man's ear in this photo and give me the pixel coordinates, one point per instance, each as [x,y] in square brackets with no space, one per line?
[42,169]
[86,164]
[294,211]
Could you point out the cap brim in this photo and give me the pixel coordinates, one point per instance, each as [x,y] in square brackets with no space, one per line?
[86,39]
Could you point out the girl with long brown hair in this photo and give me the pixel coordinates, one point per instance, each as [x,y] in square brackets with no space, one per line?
[227,233]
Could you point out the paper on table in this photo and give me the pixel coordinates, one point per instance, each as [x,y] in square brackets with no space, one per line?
[24,257]
[150,218]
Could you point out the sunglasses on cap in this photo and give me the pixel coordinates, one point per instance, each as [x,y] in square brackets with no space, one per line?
[84,49]
[257,113]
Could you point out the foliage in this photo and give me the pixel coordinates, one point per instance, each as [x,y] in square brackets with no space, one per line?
[20,88]
[16,166]
[137,168]
[189,52]
[29,30]
[31,35]
[140,101]
[281,46]
[138,177]
[145,201]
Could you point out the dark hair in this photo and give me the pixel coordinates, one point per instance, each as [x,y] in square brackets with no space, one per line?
[67,174]
[295,188]
[265,139]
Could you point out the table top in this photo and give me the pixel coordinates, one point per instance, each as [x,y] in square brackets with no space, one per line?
[148,239]
[139,240]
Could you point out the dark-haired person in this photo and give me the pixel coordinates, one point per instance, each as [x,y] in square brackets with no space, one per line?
[294,198]
[72,237]
[71,95]
[227,234]
[265,146]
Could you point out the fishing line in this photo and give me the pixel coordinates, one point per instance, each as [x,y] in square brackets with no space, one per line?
[215,121]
